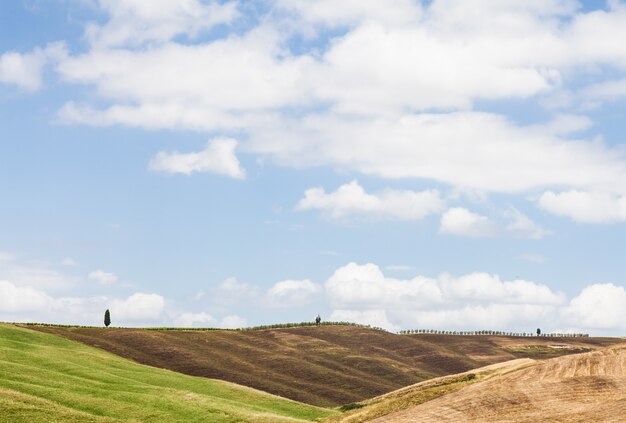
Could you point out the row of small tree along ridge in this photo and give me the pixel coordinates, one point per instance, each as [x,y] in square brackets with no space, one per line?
[491,332]
[274,326]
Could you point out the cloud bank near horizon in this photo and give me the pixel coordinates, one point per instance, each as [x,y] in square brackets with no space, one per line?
[359,293]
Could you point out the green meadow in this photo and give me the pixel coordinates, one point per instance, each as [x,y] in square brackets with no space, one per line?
[45,378]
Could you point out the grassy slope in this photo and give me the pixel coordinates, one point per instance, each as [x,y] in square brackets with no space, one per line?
[48,378]
[325,366]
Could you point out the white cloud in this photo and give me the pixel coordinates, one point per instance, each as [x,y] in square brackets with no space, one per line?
[365,285]
[585,206]
[390,96]
[24,272]
[203,319]
[607,90]
[25,69]
[232,291]
[394,93]
[218,157]
[468,150]
[35,275]
[460,221]
[350,12]
[139,307]
[135,22]
[204,86]
[21,299]
[233,322]
[102,277]
[374,318]
[361,293]
[190,320]
[292,293]
[288,293]
[522,226]
[598,306]
[28,304]
[351,200]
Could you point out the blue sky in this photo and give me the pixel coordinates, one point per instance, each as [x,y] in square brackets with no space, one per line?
[405,164]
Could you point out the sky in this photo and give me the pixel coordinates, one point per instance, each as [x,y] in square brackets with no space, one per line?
[444,164]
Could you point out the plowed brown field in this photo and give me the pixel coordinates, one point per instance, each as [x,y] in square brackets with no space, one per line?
[588,387]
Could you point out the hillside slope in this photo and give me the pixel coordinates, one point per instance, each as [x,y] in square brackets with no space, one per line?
[324,366]
[46,378]
[410,396]
[577,388]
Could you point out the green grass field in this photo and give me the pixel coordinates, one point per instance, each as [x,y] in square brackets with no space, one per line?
[45,378]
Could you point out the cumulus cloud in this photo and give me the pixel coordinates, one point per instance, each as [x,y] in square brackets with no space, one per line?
[136,22]
[292,293]
[392,94]
[21,299]
[102,277]
[203,319]
[139,307]
[26,69]
[26,274]
[374,318]
[232,291]
[598,306]
[585,206]
[522,226]
[289,293]
[607,90]
[189,320]
[366,285]
[233,322]
[460,221]
[363,294]
[218,157]
[468,150]
[24,303]
[351,200]
[350,12]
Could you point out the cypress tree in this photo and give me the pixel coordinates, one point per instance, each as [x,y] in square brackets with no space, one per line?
[107,318]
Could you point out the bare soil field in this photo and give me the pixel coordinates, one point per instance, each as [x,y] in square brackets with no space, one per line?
[589,387]
[325,366]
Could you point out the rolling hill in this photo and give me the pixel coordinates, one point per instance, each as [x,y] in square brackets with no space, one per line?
[324,366]
[577,388]
[45,378]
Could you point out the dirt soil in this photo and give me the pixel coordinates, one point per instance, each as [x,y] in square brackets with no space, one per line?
[589,387]
[325,366]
